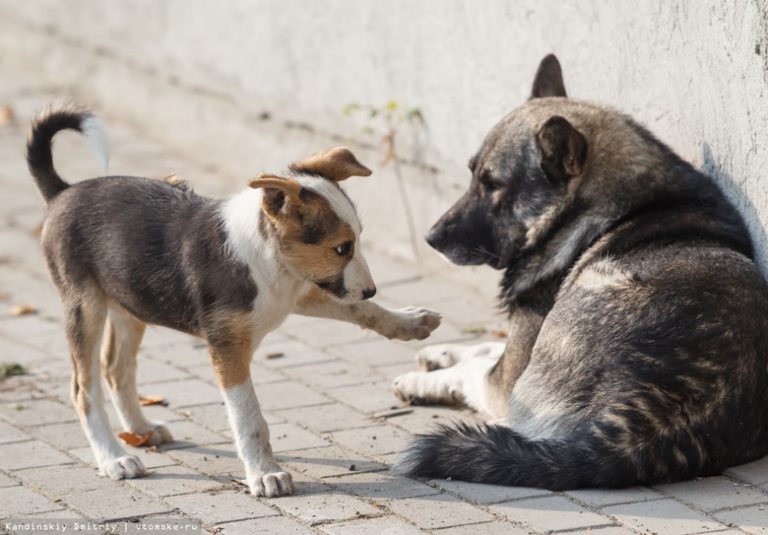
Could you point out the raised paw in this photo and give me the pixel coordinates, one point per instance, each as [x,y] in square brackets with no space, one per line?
[271,484]
[125,467]
[413,323]
[436,357]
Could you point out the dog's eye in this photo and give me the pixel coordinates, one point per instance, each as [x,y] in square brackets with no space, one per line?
[343,249]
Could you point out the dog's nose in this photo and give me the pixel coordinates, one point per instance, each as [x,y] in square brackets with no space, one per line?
[369,292]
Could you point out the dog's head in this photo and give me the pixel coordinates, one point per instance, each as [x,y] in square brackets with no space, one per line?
[316,224]
[523,175]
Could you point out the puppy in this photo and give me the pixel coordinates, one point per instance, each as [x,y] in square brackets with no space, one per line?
[125,252]
[637,349]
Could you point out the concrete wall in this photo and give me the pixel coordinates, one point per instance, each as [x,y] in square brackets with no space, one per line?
[248,86]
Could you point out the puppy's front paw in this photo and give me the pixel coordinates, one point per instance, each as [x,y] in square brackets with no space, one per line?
[271,484]
[125,467]
[414,323]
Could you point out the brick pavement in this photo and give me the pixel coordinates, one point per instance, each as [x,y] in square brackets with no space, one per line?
[327,400]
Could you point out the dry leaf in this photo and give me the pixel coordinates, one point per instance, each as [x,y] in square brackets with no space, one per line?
[133,439]
[275,355]
[23,310]
[152,400]
[6,114]
[499,333]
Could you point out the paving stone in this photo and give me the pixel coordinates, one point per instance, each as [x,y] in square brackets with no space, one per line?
[373,441]
[150,457]
[598,498]
[293,353]
[479,493]
[714,493]
[171,480]
[750,519]
[38,412]
[424,419]
[66,436]
[19,455]
[492,528]
[368,397]
[212,415]
[11,433]
[329,461]
[59,480]
[321,332]
[326,418]
[755,472]
[332,374]
[186,392]
[615,530]
[7,481]
[150,371]
[186,432]
[17,501]
[547,514]
[375,352]
[380,486]
[324,506]
[438,511]
[288,394]
[271,525]
[118,502]
[221,506]
[664,516]
[384,525]
[214,459]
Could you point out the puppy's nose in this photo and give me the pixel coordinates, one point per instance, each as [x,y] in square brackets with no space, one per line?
[369,292]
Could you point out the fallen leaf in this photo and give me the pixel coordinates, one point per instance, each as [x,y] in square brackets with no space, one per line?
[473,330]
[275,355]
[23,310]
[6,114]
[133,439]
[152,400]
[499,333]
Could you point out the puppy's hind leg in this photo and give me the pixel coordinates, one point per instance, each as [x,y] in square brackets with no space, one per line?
[122,337]
[85,310]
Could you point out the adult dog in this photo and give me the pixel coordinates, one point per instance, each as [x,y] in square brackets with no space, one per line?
[638,340]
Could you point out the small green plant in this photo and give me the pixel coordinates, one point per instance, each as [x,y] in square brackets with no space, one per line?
[387,121]
[10,369]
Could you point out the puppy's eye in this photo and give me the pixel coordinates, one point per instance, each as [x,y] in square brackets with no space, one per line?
[344,249]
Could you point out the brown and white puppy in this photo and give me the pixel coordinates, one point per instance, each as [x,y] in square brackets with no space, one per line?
[125,252]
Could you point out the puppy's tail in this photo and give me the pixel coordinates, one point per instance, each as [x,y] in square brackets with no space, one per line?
[498,455]
[40,140]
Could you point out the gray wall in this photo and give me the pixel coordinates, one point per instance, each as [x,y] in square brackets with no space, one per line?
[248,86]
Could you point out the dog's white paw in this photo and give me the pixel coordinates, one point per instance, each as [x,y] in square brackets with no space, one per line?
[271,484]
[421,388]
[125,467]
[413,323]
[436,357]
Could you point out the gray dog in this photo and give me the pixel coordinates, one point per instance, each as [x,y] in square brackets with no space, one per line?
[638,343]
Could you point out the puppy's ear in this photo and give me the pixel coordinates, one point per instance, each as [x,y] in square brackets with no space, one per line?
[336,164]
[563,149]
[549,79]
[281,195]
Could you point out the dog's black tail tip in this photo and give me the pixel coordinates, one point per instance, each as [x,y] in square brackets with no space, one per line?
[40,140]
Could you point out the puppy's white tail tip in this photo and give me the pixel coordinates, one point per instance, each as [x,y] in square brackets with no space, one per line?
[95,134]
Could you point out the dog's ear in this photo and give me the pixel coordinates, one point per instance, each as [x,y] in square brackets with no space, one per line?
[281,195]
[549,79]
[336,164]
[563,149]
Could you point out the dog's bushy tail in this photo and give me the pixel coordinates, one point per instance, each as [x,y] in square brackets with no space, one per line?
[40,140]
[497,454]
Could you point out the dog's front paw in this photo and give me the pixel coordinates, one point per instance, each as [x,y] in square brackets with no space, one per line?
[413,323]
[271,483]
[125,467]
